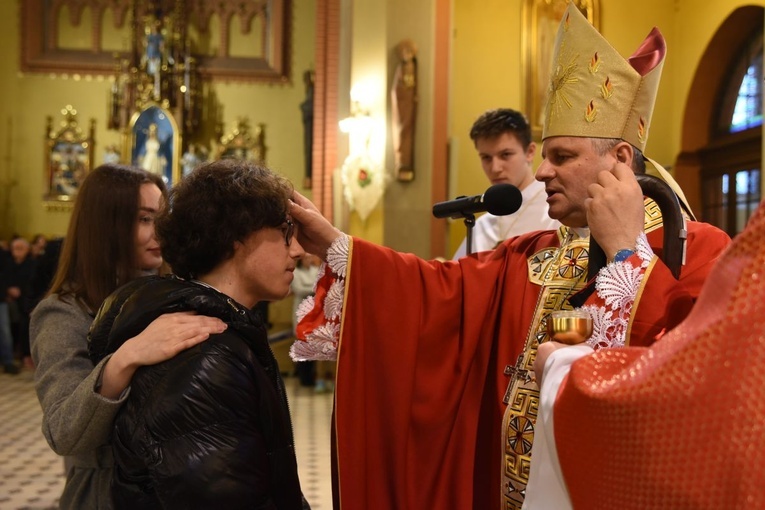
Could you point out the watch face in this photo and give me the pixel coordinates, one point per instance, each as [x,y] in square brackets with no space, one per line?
[623,255]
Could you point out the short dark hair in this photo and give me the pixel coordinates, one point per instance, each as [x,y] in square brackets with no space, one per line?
[98,254]
[493,123]
[603,145]
[216,205]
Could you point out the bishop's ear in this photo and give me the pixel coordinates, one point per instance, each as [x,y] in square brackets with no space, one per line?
[624,153]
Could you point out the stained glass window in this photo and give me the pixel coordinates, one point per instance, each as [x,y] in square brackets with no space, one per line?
[748,110]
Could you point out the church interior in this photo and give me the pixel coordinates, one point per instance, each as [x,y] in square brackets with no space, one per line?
[309,88]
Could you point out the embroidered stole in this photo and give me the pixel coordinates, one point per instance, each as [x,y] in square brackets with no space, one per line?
[561,272]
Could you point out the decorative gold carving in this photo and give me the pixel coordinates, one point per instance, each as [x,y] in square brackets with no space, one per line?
[268,61]
[69,157]
[240,143]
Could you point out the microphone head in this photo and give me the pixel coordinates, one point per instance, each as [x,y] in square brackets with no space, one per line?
[502,199]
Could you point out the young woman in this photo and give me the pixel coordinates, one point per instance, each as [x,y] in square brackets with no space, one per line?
[110,241]
[211,427]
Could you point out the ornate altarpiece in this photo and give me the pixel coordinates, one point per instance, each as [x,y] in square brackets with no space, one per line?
[156,98]
[268,59]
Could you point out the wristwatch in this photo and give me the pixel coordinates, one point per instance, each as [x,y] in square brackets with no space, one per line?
[623,255]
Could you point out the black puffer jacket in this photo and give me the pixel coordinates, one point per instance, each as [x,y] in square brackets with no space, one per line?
[209,428]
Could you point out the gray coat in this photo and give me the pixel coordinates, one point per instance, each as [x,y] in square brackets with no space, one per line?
[77,421]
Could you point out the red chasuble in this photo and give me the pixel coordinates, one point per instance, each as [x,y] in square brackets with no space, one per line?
[423,346]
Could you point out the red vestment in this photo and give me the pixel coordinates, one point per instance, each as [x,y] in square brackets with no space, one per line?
[422,350]
[680,424]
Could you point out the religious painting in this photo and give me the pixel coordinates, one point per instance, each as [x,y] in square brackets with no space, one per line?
[69,156]
[541,19]
[154,143]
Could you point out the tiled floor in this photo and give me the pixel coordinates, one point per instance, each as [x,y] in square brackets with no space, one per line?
[32,476]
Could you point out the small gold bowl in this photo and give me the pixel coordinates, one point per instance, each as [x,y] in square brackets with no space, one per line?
[569,326]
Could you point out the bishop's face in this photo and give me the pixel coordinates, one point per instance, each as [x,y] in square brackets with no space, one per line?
[570,165]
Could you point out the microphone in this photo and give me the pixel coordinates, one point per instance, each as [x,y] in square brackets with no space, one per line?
[499,200]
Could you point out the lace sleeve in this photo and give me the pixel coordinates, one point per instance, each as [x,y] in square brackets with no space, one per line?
[318,328]
[617,285]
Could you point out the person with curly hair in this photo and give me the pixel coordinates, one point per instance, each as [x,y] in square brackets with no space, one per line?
[211,427]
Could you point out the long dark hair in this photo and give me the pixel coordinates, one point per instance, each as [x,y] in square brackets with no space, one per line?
[98,254]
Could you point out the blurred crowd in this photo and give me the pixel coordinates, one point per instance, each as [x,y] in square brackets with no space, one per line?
[26,269]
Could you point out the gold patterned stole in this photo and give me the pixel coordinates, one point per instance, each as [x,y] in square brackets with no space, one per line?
[561,272]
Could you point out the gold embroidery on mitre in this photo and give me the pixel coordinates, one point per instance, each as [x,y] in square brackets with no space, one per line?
[564,76]
[627,90]
[591,112]
[594,63]
[607,88]
[642,128]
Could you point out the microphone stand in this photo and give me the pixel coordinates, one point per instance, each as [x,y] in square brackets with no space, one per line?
[469,224]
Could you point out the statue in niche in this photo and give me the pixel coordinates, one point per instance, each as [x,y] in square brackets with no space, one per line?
[404,101]
[306,109]
[112,155]
[155,44]
[152,161]
[155,54]
[192,158]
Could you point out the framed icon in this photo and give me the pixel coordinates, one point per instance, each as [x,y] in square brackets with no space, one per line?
[154,143]
[69,157]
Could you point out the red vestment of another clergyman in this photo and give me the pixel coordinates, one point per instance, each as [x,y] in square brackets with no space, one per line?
[681,424]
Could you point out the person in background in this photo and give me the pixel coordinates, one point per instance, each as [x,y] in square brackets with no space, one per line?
[302,285]
[109,242]
[45,269]
[502,138]
[6,335]
[39,242]
[211,427]
[18,276]
[704,379]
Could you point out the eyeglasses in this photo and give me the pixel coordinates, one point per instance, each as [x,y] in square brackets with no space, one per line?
[288,229]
